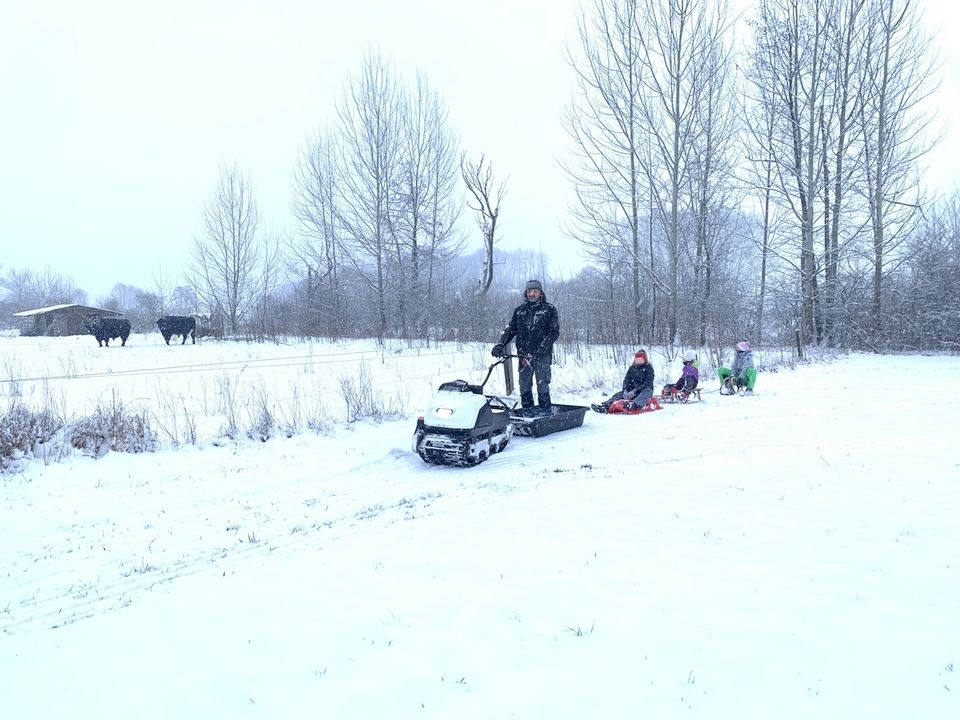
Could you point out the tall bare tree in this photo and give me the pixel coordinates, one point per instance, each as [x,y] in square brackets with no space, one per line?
[316,249]
[424,219]
[716,131]
[487,195]
[841,162]
[761,119]
[226,257]
[681,49]
[605,125]
[900,74]
[792,59]
[443,204]
[371,117]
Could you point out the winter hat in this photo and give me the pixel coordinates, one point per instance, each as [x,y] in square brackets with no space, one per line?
[689,356]
[533,285]
[640,354]
[743,346]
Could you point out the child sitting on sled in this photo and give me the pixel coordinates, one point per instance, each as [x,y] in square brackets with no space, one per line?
[637,386]
[689,378]
[742,374]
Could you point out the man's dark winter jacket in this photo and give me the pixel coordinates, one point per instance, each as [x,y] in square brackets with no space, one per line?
[638,378]
[536,326]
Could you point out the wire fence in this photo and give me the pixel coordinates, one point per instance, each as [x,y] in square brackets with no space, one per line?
[330,386]
[223,365]
[178,406]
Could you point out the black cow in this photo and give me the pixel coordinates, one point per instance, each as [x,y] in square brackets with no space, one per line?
[106,329]
[171,325]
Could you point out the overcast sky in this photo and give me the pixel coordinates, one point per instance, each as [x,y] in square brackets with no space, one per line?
[116,113]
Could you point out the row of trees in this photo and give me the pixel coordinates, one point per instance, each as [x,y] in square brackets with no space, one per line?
[376,204]
[23,289]
[772,193]
[787,175]
[376,200]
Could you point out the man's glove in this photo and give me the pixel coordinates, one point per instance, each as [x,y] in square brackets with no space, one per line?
[497,350]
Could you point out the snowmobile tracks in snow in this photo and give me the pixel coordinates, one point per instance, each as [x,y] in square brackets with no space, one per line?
[52,601]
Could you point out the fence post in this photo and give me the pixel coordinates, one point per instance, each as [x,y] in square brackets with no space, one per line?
[799,344]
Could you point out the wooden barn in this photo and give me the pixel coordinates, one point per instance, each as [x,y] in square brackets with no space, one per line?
[60,319]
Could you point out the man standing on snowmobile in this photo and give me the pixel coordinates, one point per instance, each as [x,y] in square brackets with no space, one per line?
[536,326]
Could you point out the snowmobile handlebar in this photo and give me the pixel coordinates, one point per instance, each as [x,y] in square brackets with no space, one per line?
[500,360]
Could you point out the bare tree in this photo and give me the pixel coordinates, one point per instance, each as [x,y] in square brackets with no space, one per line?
[427,186]
[265,282]
[716,131]
[652,128]
[317,249]
[605,125]
[806,71]
[121,297]
[761,124]
[29,289]
[162,285]
[141,306]
[900,72]
[225,258]
[680,49]
[371,116]
[184,300]
[487,195]
[791,58]
[929,283]
[839,157]
[444,206]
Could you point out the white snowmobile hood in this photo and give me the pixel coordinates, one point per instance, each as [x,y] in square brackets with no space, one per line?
[454,410]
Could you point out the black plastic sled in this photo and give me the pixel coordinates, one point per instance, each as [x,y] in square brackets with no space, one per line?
[563,417]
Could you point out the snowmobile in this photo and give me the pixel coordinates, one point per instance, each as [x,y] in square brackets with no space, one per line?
[462,426]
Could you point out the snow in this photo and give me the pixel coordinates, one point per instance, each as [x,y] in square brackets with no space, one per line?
[40,311]
[793,554]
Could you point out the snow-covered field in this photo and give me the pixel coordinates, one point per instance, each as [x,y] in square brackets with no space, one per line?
[791,555]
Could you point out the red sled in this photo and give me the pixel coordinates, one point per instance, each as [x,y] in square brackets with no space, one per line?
[625,407]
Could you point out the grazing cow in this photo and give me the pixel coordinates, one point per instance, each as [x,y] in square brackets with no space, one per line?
[171,325]
[106,329]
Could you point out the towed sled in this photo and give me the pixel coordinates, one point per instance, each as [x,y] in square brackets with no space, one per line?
[734,386]
[626,407]
[670,394]
[462,426]
[561,417]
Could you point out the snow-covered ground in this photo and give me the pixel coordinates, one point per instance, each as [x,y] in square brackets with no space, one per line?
[791,555]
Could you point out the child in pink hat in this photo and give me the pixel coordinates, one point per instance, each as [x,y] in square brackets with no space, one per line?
[742,373]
